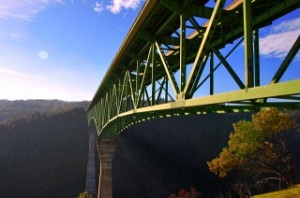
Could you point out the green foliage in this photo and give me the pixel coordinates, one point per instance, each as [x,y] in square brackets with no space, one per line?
[84,195]
[258,149]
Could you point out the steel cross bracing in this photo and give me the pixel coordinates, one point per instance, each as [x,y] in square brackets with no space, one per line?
[169,63]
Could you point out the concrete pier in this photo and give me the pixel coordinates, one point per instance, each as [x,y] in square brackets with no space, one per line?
[91,177]
[106,151]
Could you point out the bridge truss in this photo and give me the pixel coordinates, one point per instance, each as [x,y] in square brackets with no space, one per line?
[177,60]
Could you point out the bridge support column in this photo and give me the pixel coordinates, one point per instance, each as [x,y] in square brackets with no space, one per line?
[91,178]
[106,150]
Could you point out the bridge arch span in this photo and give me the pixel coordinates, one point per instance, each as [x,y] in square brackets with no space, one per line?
[172,63]
[175,60]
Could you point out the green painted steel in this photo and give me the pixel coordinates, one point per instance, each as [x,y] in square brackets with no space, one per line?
[169,61]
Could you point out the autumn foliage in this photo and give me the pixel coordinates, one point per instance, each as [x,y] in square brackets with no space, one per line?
[257,149]
[193,193]
[84,195]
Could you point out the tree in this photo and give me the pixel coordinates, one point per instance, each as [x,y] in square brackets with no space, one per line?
[257,151]
[84,195]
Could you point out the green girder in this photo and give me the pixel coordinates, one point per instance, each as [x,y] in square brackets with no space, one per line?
[159,70]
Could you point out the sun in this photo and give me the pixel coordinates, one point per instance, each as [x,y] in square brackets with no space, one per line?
[43,55]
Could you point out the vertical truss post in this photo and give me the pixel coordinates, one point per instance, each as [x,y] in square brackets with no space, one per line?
[256,58]
[182,54]
[247,14]
[137,83]
[153,75]
[211,73]
[201,54]
[166,89]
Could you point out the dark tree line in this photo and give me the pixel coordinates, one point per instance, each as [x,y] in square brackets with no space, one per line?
[10,110]
[43,154]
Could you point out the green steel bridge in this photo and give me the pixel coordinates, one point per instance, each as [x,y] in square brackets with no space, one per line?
[177,60]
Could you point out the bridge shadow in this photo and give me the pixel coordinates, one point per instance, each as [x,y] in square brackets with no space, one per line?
[159,157]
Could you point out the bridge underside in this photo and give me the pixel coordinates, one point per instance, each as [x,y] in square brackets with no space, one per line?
[184,57]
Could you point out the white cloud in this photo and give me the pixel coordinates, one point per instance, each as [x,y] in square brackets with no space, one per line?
[287,25]
[98,7]
[281,38]
[10,73]
[23,10]
[15,14]
[117,5]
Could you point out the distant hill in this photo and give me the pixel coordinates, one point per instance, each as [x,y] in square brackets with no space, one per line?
[43,148]
[11,110]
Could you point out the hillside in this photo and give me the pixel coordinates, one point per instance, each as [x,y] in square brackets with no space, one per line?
[44,147]
[11,110]
[43,154]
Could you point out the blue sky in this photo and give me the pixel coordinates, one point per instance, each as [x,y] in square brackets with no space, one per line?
[61,49]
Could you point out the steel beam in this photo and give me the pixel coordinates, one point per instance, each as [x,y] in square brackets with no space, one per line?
[248,38]
[292,53]
[157,53]
[204,43]
[182,54]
